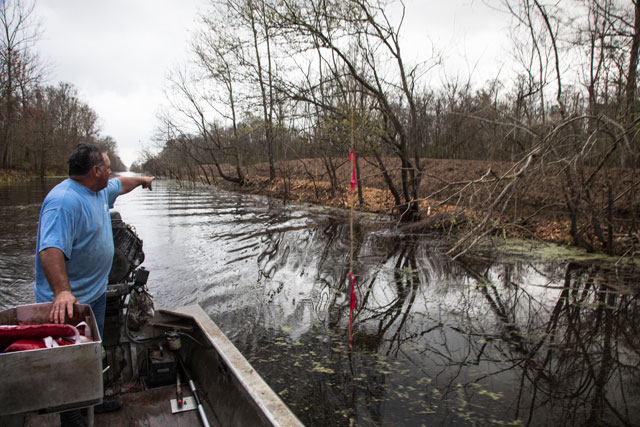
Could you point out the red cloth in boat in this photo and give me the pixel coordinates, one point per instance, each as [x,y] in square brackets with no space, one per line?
[12,333]
[26,344]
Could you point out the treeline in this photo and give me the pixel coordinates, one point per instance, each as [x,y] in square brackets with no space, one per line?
[39,123]
[290,79]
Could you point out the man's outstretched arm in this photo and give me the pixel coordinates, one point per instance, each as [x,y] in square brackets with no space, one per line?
[131,182]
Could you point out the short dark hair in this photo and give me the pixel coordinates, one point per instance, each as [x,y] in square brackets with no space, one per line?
[83,158]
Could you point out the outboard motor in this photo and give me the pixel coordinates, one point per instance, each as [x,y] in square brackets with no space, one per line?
[127,249]
[126,278]
[129,305]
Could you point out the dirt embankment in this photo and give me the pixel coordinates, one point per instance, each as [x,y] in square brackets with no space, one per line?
[462,189]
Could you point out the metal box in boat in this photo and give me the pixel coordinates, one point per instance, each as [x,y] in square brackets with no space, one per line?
[50,379]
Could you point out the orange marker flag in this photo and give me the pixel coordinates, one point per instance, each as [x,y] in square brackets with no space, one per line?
[352,157]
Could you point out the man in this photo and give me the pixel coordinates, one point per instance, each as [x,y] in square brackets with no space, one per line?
[74,248]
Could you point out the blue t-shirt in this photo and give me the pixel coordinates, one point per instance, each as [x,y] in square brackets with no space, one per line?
[76,220]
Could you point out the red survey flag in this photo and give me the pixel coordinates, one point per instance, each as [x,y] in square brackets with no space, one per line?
[352,157]
[352,279]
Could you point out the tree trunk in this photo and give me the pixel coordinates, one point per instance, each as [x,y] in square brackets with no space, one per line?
[628,152]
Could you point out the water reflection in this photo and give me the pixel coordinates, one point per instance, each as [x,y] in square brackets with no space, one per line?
[19,209]
[480,341]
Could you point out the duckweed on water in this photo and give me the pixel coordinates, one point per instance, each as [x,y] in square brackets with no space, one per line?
[546,252]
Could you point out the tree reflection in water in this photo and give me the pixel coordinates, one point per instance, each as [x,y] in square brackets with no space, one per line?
[576,361]
[479,341]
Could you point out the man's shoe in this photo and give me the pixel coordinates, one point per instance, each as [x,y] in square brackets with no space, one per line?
[109,404]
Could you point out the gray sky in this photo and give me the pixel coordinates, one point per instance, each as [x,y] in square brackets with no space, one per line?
[117,52]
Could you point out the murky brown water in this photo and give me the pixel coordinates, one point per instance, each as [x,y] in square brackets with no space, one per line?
[493,339]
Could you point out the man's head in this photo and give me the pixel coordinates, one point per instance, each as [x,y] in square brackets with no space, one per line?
[83,158]
[90,166]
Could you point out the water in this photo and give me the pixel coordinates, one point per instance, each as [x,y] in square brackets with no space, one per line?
[492,339]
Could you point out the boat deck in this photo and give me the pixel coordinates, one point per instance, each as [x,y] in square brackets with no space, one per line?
[233,393]
[148,408]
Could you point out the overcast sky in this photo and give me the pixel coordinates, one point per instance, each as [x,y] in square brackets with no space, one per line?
[117,52]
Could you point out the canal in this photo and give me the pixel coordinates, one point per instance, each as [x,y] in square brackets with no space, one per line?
[501,337]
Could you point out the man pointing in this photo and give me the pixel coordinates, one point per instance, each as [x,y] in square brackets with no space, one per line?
[74,248]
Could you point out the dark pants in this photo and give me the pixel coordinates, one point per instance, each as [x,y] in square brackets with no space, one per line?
[99,307]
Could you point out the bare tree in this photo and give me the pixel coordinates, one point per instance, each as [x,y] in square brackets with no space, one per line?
[356,41]
[193,106]
[58,120]
[19,68]
[252,30]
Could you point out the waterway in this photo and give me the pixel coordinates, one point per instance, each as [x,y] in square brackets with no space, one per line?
[497,338]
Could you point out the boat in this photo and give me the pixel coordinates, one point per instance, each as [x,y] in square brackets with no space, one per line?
[166,367]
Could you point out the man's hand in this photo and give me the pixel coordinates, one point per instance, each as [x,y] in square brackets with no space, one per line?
[131,182]
[147,182]
[62,302]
